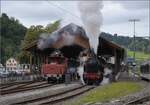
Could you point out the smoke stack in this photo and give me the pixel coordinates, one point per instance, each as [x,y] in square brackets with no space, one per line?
[91,16]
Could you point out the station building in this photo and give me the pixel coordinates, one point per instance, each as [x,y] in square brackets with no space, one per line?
[11,64]
[106,49]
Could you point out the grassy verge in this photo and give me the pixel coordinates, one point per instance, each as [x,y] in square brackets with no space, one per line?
[109,92]
[140,56]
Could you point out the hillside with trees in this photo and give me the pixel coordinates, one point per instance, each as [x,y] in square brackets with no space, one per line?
[141,44]
[12,32]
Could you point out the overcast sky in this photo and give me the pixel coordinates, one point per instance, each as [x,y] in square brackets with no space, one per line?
[115,14]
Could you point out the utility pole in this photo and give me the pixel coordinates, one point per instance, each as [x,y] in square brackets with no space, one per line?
[149,34]
[134,20]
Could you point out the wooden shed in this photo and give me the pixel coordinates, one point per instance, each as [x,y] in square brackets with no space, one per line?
[110,49]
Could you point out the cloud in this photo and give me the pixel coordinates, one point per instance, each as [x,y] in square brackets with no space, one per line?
[115,13]
[116,18]
[136,4]
[71,11]
[32,11]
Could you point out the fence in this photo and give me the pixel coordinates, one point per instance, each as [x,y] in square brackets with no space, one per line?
[19,78]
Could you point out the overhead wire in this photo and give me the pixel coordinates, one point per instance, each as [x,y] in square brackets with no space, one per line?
[62,9]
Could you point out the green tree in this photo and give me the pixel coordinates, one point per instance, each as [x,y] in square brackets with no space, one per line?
[12,32]
[141,44]
[52,27]
[33,34]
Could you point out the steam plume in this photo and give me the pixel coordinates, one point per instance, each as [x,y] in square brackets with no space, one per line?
[47,40]
[92,19]
[61,37]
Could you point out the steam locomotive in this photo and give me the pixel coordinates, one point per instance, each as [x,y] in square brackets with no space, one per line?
[93,70]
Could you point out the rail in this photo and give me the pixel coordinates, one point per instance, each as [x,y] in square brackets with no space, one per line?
[58,96]
[139,100]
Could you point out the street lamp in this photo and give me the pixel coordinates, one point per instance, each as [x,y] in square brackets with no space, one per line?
[134,20]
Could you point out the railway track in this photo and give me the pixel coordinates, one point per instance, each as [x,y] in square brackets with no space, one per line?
[3,86]
[10,85]
[139,101]
[17,86]
[58,97]
[25,87]
[144,78]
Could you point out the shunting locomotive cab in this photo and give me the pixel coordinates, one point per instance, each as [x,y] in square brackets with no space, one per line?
[55,68]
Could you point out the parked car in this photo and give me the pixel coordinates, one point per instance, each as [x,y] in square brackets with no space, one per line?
[4,73]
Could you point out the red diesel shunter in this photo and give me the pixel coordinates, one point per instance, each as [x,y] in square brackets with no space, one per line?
[55,68]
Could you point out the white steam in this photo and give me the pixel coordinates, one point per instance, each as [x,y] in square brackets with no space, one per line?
[61,37]
[68,39]
[47,39]
[91,16]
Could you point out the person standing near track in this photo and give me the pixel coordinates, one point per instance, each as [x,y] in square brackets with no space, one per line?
[80,72]
[82,58]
